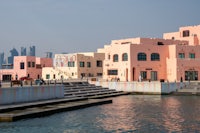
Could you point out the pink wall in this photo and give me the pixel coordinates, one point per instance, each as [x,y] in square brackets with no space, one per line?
[29,69]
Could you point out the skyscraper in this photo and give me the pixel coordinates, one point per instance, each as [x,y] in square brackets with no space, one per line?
[31,51]
[2,61]
[23,51]
[49,54]
[13,53]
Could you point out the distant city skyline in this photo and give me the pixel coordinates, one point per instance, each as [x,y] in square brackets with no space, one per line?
[84,26]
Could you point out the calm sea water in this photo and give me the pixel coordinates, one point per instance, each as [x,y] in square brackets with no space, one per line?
[133,113]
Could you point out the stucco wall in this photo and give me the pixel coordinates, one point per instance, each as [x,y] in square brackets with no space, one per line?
[142,87]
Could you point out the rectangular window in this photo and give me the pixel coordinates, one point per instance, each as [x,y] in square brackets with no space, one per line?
[21,65]
[82,64]
[99,63]
[181,55]
[109,57]
[47,76]
[88,64]
[112,72]
[186,33]
[99,74]
[54,76]
[154,75]
[33,64]
[143,75]
[71,64]
[29,64]
[192,55]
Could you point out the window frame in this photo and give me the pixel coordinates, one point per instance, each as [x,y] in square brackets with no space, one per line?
[124,57]
[115,58]
[141,56]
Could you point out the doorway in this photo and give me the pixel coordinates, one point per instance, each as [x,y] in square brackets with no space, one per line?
[191,75]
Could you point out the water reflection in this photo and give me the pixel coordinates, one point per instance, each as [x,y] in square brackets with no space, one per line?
[134,113]
[172,119]
[119,117]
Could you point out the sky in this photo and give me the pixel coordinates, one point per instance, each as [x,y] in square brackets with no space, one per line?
[68,26]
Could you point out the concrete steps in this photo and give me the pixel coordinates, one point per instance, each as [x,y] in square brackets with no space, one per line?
[77,95]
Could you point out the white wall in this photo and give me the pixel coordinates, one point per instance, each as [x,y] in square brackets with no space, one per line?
[143,87]
[29,94]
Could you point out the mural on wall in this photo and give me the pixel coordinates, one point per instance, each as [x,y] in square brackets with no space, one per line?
[61,60]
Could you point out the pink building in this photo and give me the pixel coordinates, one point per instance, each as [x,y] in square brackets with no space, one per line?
[29,66]
[173,58]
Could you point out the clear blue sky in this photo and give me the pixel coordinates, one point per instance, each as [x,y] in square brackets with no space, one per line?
[85,25]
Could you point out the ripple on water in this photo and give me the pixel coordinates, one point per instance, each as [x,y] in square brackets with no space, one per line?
[132,113]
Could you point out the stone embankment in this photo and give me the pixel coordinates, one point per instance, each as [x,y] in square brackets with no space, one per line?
[77,95]
[191,88]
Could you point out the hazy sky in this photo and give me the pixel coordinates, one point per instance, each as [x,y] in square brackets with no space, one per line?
[86,25]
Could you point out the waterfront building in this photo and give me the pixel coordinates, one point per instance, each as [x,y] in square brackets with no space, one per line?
[173,58]
[75,65]
[26,66]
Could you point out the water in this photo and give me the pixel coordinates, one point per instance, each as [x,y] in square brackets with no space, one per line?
[133,113]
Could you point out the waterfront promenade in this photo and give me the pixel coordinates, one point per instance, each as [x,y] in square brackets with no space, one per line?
[76,95]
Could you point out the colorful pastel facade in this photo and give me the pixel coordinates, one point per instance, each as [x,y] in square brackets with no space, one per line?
[74,66]
[174,58]
[25,66]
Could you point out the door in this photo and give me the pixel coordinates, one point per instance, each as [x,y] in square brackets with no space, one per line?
[154,76]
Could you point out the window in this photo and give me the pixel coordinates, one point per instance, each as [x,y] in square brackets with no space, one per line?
[154,75]
[112,72]
[47,76]
[99,63]
[192,55]
[88,64]
[99,74]
[155,57]
[173,38]
[115,58]
[33,64]
[54,76]
[186,33]
[82,64]
[142,57]
[124,57]
[181,55]
[109,57]
[160,43]
[29,64]
[21,65]
[143,74]
[71,64]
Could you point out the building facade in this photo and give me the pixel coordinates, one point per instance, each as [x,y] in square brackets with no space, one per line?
[26,66]
[174,58]
[76,65]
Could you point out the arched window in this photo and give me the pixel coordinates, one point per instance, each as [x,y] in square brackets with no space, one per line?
[115,58]
[142,57]
[124,57]
[155,57]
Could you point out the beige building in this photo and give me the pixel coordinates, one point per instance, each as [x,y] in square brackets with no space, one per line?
[74,66]
[175,57]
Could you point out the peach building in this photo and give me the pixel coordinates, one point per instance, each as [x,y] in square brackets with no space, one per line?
[29,66]
[173,58]
[75,65]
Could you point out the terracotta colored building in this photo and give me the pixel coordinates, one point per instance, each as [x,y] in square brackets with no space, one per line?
[75,65]
[174,58]
[29,66]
